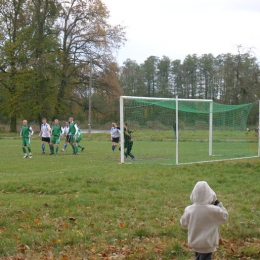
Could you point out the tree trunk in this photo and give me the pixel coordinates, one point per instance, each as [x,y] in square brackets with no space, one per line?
[13,124]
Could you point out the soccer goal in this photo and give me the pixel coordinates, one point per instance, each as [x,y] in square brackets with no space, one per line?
[181,131]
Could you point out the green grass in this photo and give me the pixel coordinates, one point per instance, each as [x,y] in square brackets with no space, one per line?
[91,207]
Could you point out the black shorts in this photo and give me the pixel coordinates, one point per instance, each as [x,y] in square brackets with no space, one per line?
[46,139]
[115,139]
[68,138]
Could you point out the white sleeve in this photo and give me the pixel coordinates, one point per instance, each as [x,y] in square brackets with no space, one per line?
[76,127]
[183,220]
[62,131]
[31,130]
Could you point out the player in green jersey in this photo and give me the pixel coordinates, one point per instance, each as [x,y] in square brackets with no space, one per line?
[73,131]
[56,133]
[79,137]
[26,133]
[128,142]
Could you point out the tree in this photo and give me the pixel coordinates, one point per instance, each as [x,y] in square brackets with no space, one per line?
[177,78]
[86,35]
[12,56]
[46,48]
[206,76]
[149,68]
[42,54]
[163,77]
[131,79]
[190,67]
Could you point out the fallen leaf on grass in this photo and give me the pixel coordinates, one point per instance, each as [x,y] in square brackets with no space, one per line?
[16,238]
[54,240]
[185,244]
[3,228]
[72,218]
[36,220]
[158,249]
[121,225]
[22,248]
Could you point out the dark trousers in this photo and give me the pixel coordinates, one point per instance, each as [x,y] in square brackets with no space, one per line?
[201,256]
[129,146]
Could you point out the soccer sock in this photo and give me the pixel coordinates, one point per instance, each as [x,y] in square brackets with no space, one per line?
[24,150]
[57,148]
[29,149]
[43,147]
[113,147]
[65,146]
[51,148]
[76,149]
[73,147]
[80,146]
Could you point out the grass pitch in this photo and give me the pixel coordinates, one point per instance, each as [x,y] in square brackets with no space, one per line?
[91,207]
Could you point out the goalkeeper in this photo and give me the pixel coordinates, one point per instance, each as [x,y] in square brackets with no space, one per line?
[128,142]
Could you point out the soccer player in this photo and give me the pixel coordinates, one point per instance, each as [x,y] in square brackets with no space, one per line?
[128,142]
[115,134]
[45,133]
[73,131]
[26,133]
[79,137]
[66,131]
[56,133]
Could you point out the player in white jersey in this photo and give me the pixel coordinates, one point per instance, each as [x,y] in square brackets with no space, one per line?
[66,131]
[45,134]
[115,134]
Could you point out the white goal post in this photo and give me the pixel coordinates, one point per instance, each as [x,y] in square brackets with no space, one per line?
[176,100]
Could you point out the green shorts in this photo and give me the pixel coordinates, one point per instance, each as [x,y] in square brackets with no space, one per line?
[26,141]
[72,139]
[55,139]
[78,139]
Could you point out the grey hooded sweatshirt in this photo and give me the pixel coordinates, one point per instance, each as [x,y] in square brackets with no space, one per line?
[203,219]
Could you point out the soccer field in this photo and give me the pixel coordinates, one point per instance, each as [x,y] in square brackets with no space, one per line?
[190,151]
[91,207]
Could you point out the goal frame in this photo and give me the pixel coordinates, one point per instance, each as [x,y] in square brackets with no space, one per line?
[210,101]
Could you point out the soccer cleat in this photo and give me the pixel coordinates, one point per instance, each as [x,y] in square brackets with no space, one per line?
[62,150]
[25,156]
[82,149]
[133,158]
[43,152]
[76,154]
[30,156]
[56,154]
[51,153]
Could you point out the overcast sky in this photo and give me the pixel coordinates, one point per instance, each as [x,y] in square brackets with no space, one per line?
[176,28]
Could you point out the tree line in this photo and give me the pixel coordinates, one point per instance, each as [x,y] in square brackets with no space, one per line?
[48,50]
[51,51]
[226,78]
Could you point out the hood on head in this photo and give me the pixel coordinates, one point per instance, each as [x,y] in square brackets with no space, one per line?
[202,193]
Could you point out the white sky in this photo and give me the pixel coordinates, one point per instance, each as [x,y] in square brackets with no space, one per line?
[176,28]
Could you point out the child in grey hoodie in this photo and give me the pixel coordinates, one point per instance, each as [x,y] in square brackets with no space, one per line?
[202,220]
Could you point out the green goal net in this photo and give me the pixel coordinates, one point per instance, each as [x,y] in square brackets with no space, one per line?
[177,131]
